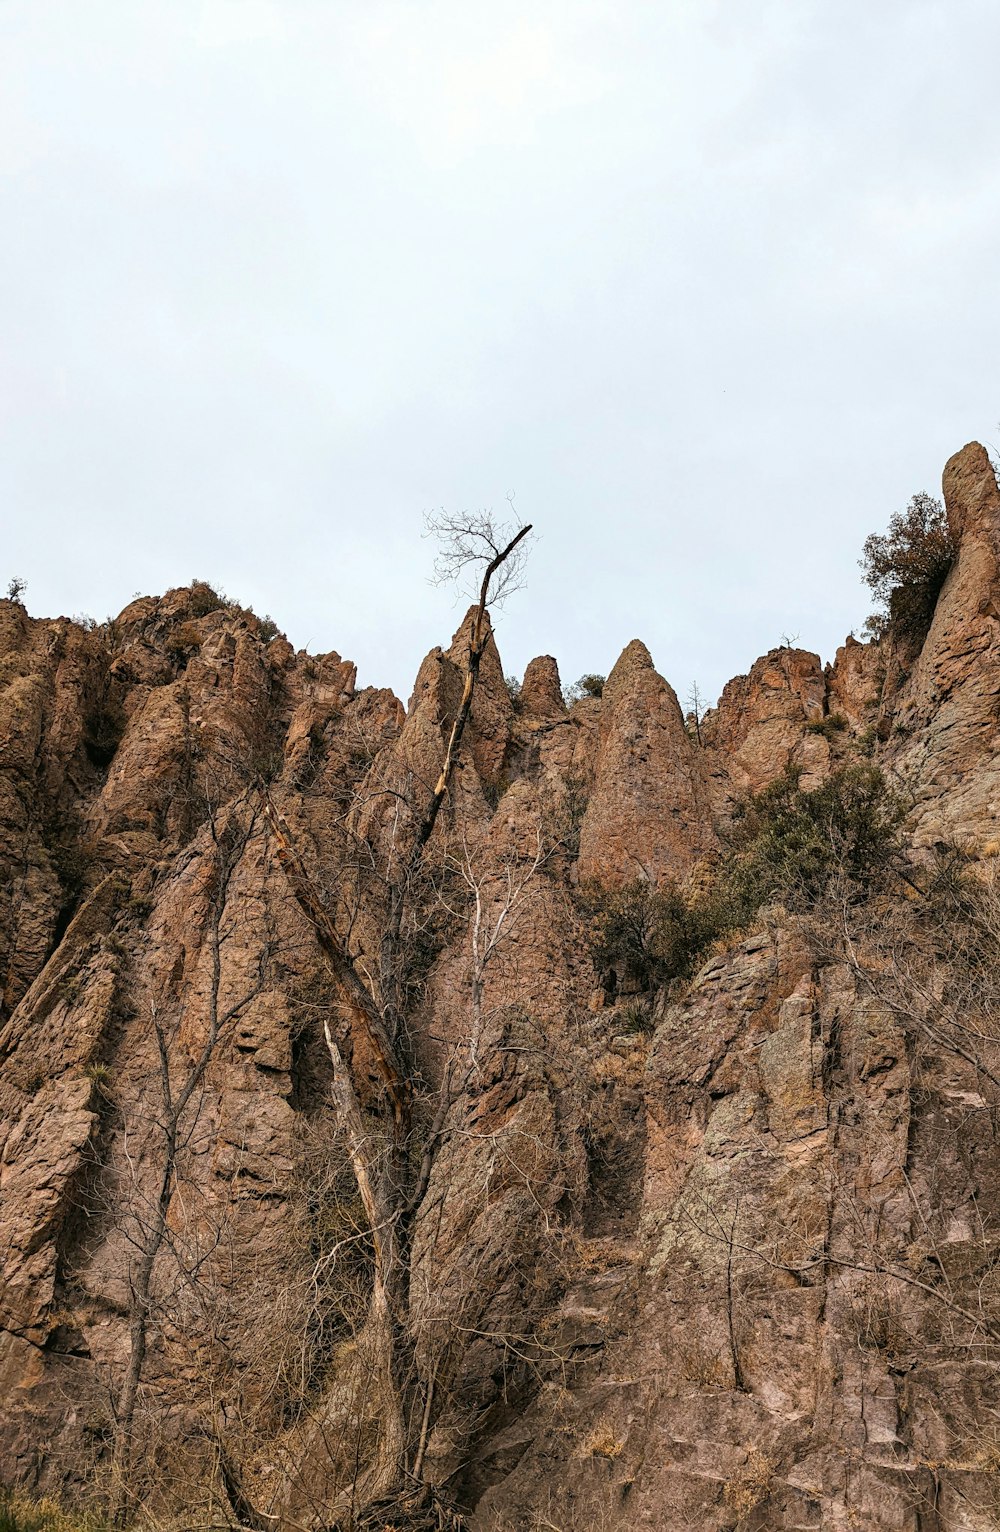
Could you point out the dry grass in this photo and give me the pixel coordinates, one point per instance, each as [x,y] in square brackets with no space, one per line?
[747,1489]
[604,1444]
[20,1513]
[698,1365]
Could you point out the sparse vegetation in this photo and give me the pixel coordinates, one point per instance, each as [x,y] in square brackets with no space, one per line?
[695,713]
[785,843]
[790,843]
[589,685]
[635,1018]
[750,1487]
[100,1076]
[641,936]
[513,685]
[605,1444]
[184,641]
[906,567]
[16,590]
[828,726]
[19,1513]
[205,599]
[569,815]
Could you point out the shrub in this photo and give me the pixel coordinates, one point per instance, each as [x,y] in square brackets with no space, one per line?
[783,843]
[635,1018]
[184,641]
[16,590]
[642,936]
[829,726]
[906,567]
[751,1485]
[513,685]
[570,814]
[590,685]
[205,598]
[18,1513]
[268,629]
[788,843]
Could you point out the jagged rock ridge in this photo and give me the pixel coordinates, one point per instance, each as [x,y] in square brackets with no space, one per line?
[597,1346]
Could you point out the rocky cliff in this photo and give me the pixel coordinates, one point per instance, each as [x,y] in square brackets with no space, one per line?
[726,1258]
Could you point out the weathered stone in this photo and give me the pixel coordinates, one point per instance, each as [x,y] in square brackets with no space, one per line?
[541,689]
[648,814]
[764,719]
[723,1258]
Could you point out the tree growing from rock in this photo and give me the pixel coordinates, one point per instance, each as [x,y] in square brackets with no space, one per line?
[391,1157]
[906,566]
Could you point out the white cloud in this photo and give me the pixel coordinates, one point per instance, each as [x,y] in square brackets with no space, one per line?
[222,23]
[461,78]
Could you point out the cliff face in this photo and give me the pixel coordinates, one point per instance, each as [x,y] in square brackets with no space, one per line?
[735,1269]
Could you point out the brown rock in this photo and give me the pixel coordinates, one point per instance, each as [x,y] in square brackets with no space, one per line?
[688,1263]
[648,814]
[761,723]
[541,689]
[946,730]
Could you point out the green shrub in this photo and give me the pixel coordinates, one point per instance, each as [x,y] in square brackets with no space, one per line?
[590,685]
[784,843]
[635,1018]
[790,844]
[513,685]
[642,936]
[831,725]
[906,567]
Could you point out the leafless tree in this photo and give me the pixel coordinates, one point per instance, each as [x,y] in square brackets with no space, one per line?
[391,1178]
[696,709]
[497,894]
[177,1112]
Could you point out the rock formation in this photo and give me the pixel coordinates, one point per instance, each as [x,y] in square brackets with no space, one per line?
[733,1267]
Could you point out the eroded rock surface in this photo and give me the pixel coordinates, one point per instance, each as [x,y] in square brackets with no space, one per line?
[650,1262]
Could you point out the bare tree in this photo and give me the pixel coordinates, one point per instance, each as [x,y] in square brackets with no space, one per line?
[696,709]
[392,1179]
[177,1111]
[497,894]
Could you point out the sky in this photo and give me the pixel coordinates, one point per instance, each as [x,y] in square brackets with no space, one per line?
[710,289]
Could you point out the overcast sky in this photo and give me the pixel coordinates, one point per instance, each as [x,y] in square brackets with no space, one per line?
[712,288]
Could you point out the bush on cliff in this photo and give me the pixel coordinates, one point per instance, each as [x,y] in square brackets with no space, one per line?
[642,936]
[590,685]
[790,844]
[906,567]
[784,844]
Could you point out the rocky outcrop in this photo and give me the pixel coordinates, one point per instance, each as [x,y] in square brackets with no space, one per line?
[725,1258]
[756,1367]
[648,814]
[946,721]
[541,689]
[767,720]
